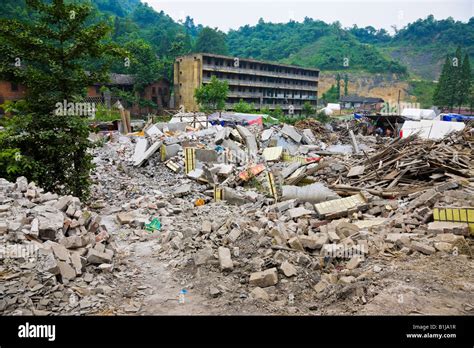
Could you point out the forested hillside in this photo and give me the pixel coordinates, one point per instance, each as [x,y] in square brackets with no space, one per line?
[155,39]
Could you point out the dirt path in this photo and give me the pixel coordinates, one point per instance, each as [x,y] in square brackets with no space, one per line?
[165,288]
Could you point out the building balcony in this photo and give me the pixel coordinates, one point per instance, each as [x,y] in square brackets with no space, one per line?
[230,106]
[255,72]
[275,85]
[259,95]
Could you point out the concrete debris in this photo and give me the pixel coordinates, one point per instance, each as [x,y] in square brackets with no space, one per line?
[265,278]
[272,200]
[288,269]
[225,259]
[260,294]
[54,239]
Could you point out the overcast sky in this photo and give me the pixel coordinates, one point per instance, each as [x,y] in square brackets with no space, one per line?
[231,14]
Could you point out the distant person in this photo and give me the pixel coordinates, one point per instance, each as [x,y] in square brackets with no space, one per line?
[379,131]
[388,133]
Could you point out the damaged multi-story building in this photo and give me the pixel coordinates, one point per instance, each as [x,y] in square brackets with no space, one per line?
[263,84]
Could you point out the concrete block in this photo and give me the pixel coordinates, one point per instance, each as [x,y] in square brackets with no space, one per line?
[288,269]
[225,259]
[265,278]
[96,257]
[422,248]
[260,294]
[291,132]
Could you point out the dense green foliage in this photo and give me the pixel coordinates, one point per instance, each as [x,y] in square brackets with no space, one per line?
[417,48]
[211,41]
[311,43]
[212,96]
[454,85]
[331,95]
[244,107]
[47,56]
[423,92]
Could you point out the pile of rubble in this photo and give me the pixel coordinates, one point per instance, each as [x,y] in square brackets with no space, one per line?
[276,242]
[282,214]
[406,165]
[49,244]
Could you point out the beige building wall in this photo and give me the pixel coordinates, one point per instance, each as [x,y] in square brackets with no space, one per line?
[187,77]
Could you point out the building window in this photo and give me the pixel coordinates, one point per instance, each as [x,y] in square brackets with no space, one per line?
[14,87]
[153,90]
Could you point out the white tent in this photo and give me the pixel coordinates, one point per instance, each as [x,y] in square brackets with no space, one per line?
[430,129]
[334,106]
[327,111]
[418,114]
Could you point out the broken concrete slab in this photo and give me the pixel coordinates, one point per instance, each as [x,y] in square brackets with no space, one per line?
[291,132]
[395,237]
[225,259]
[265,278]
[272,153]
[196,174]
[153,131]
[259,294]
[321,286]
[266,134]
[140,149]
[308,137]
[288,269]
[183,190]
[290,169]
[443,246]
[142,157]
[296,244]
[448,238]
[125,218]
[422,248]
[97,257]
[66,271]
[249,138]
[298,212]
[61,252]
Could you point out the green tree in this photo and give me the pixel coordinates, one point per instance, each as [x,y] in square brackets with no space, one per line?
[465,81]
[440,96]
[212,96]
[454,80]
[211,41]
[277,112]
[331,95]
[338,86]
[346,84]
[471,99]
[47,55]
[244,107]
[308,109]
[144,64]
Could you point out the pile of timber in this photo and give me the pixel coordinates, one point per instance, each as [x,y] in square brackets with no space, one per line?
[407,165]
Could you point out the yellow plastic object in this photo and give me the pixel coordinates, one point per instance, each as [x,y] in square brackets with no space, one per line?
[218,193]
[199,202]
[189,159]
[452,214]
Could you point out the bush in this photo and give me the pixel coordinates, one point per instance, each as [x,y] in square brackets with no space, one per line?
[50,150]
